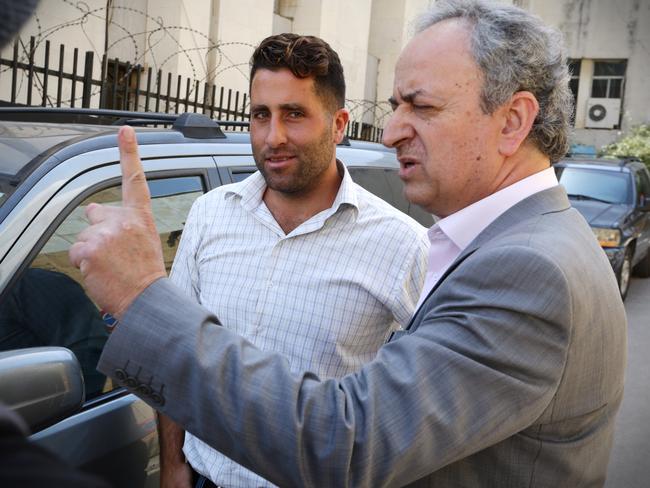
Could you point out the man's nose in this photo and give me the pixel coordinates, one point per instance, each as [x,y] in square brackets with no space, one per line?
[277,134]
[397,130]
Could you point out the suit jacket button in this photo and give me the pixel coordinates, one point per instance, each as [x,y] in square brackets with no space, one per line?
[120,374]
[157,398]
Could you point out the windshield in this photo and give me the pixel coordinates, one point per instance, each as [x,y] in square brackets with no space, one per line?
[22,142]
[593,184]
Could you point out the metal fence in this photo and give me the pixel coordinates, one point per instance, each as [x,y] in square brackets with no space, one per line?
[122,86]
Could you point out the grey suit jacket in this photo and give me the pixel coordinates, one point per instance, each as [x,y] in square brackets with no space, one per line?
[509,375]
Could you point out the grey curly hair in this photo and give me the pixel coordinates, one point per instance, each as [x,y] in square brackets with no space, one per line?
[516,51]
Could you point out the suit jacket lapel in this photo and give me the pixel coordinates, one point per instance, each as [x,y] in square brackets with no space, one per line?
[547,201]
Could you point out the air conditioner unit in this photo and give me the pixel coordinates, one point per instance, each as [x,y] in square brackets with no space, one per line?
[603,113]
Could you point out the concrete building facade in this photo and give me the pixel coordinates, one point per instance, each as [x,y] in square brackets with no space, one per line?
[609,47]
[212,40]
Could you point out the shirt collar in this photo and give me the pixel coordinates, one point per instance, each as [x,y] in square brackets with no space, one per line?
[464,226]
[251,191]
[347,194]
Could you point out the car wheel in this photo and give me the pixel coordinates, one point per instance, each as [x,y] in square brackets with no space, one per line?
[625,273]
[642,269]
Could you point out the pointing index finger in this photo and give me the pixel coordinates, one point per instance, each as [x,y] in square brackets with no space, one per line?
[135,192]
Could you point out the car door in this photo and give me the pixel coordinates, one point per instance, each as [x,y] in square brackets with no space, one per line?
[43,303]
[233,169]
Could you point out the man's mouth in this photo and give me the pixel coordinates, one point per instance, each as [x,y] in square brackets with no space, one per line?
[275,159]
[279,160]
[407,164]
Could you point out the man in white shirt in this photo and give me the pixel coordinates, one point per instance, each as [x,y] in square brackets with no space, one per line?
[511,371]
[297,258]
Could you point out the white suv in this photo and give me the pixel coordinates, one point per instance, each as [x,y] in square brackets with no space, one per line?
[49,173]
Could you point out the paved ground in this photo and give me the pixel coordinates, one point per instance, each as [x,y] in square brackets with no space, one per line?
[629,466]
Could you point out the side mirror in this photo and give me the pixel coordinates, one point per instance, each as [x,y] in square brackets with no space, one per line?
[42,384]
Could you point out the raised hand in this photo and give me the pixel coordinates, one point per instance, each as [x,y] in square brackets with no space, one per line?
[119,254]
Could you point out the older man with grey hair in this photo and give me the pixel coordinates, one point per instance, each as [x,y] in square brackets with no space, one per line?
[511,371]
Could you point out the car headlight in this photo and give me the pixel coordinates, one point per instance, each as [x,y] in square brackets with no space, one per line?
[607,237]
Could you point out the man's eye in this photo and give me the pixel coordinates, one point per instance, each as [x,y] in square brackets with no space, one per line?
[295,114]
[425,111]
[259,115]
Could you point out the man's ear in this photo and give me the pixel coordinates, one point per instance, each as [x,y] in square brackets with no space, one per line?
[339,121]
[519,116]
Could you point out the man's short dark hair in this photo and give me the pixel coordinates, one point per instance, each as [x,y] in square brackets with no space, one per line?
[305,57]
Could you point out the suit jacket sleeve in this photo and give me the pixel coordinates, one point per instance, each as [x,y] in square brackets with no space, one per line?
[481,365]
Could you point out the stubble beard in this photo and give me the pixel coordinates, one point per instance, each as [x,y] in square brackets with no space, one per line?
[312,161]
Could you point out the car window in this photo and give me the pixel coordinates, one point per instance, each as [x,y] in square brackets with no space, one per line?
[382,182]
[422,216]
[47,306]
[386,184]
[607,186]
[396,189]
[643,186]
[240,175]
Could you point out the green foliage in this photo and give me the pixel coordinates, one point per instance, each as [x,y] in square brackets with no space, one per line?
[636,143]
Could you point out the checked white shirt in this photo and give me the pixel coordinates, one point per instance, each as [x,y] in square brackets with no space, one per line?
[326,295]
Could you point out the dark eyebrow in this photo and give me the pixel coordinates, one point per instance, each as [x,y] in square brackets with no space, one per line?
[291,106]
[407,97]
[284,106]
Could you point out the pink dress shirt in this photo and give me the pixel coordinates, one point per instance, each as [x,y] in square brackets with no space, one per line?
[449,236]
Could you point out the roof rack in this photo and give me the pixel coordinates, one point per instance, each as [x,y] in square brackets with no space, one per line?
[621,161]
[630,159]
[192,125]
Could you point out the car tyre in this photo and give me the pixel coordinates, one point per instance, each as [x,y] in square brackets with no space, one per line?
[625,273]
[642,269]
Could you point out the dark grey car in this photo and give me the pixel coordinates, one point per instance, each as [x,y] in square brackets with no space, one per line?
[613,195]
[51,334]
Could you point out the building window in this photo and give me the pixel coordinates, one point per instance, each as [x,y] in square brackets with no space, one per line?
[608,79]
